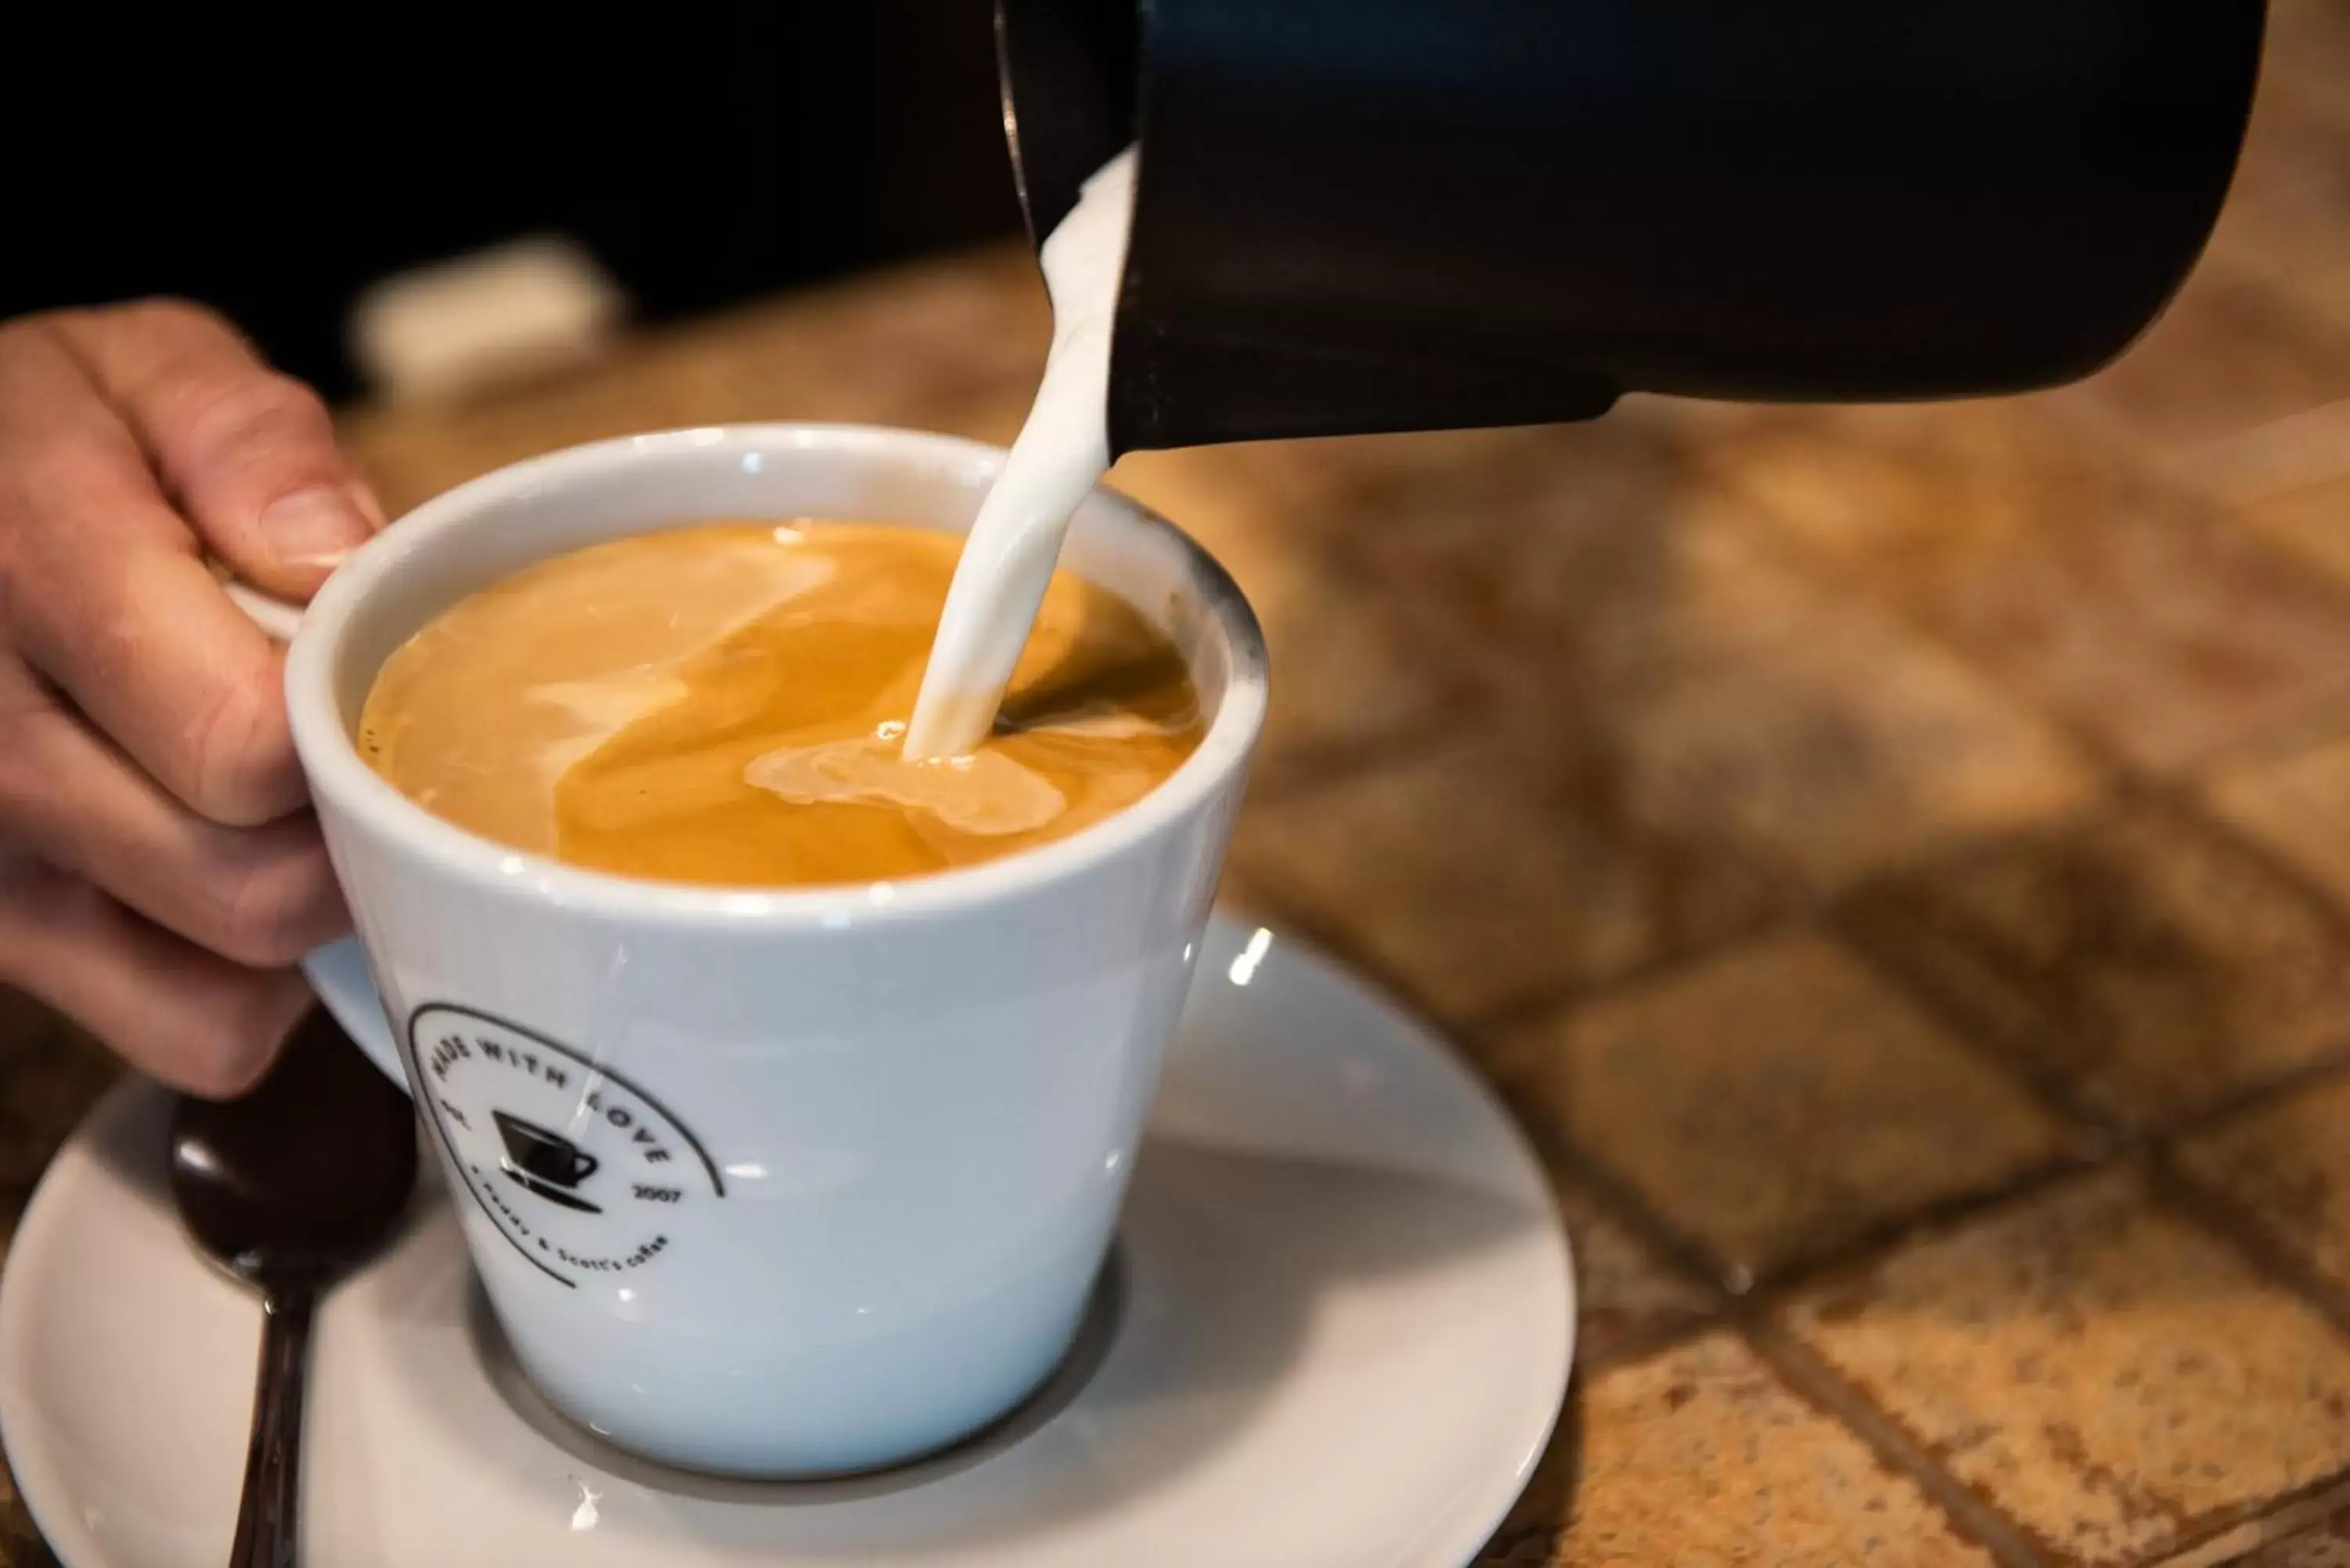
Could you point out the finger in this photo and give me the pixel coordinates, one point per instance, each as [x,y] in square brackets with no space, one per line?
[190,1018]
[250,453]
[260,896]
[107,594]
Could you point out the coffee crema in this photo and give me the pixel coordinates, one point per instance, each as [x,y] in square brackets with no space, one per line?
[726,702]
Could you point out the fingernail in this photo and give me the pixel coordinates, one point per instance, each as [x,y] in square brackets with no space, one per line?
[313,528]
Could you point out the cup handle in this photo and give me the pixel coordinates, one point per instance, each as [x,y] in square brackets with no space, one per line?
[275,616]
[337,972]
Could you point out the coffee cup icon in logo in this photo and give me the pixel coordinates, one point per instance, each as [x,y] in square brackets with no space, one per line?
[545,1161]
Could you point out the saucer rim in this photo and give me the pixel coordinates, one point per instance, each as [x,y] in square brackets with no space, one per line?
[1224,932]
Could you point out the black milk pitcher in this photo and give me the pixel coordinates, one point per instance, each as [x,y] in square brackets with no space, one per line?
[1357,215]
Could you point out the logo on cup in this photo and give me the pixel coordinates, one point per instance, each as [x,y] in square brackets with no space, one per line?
[581,1169]
[545,1161]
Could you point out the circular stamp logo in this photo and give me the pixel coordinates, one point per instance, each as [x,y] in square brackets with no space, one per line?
[582,1171]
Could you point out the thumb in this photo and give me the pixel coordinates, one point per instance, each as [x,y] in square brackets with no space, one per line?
[249,453]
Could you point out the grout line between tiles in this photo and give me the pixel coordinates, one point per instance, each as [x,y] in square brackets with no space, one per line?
[2244,1232]
[2076,1103]
[1815,1381]
[1728,1305]
[1690,1257]
[2324,722]
[1679,1252]
[2078,1110]
[1940,1217]
[1753,1319]
[2106,1132]
[1839,914]
[2148,1145]
[2328,1063]
[2232,1542]
[2095,1120]
[2196,510]
[1753,1310]
[2188,802]
[1802,1369]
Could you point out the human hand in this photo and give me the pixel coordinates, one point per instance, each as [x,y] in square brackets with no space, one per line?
[160,870]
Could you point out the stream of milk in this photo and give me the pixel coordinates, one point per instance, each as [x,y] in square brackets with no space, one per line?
[1061,451]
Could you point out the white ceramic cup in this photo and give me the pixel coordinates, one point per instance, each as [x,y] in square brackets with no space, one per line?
[780,1182]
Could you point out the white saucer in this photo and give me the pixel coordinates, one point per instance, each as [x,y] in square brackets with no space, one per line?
[1336,1335]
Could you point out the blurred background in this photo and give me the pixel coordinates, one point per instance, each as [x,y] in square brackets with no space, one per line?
[275,170]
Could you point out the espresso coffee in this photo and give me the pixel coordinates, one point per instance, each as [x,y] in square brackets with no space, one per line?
[726,703]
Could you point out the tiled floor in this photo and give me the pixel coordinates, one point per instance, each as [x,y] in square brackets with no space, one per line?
[1627,1295]
[2296,805]
[2286,1163]
[1776,1102]
[2138,960]
[1698,1455]
[2103,1372]
[1527,888]
[1895,863]
[2325,1544]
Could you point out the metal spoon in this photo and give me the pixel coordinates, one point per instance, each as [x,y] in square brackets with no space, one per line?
[289,1187]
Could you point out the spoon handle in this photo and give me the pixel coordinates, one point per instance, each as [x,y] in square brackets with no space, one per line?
[267,1521]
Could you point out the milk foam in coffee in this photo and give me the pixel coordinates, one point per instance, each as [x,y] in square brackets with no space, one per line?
[726,703]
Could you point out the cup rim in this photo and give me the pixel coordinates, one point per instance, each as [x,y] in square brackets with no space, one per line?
[337,772]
